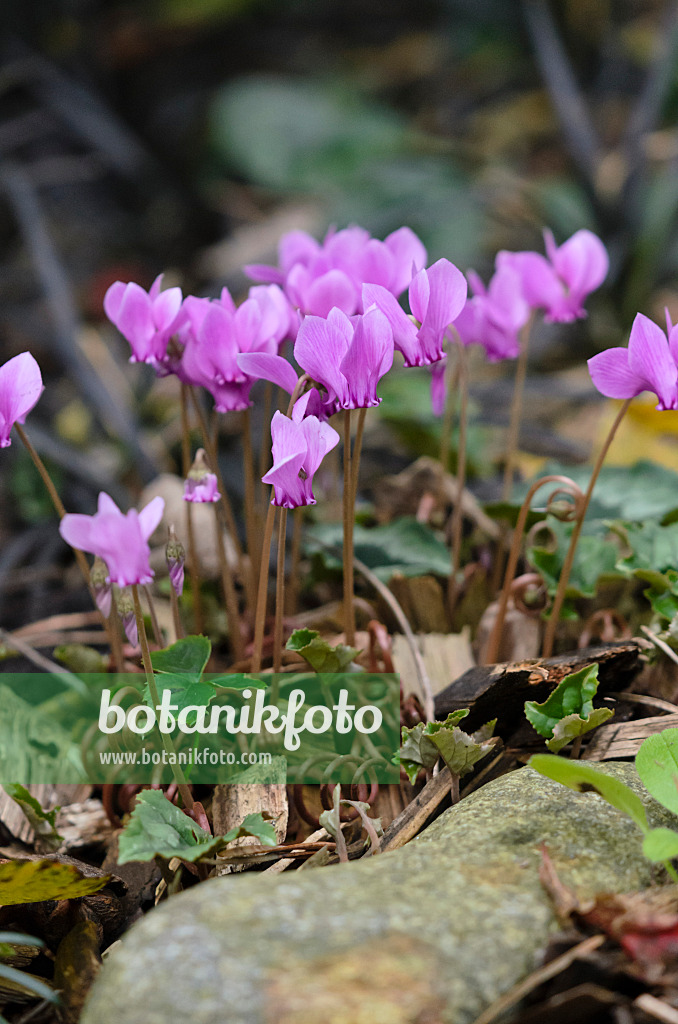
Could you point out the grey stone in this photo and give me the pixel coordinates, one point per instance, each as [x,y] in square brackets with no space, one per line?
[432,932]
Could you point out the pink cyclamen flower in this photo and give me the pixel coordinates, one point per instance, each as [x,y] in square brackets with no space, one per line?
[648,364]
[120,540]
[437,296]
[146,319]
[318,277]
[216,333]
[299,446]
[561,283]
[494,316]
[20,389]
[348,357]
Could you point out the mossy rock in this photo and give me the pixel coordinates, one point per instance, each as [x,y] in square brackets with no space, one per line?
[436,930]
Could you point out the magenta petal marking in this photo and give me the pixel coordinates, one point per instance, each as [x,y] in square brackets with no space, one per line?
[20,388]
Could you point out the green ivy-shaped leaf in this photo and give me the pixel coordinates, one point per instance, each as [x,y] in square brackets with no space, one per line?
[403,546]
[187,657]
[159,829]
[320,655]
[568,712]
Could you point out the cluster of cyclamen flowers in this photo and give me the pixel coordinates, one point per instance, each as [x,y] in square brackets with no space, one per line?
[338,302]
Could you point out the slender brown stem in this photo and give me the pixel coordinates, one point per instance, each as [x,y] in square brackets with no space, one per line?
[192,559]
[357,449]
[493,644]
[116,649]
[265,451]
[231,526]
[262,593]
[458,515]
[293,579]
[157,632]
[513,435]
[451,381]
[550,632]
[251,526]
[230,594]
[179,632]
[349,610]
[279,593]
[167,741]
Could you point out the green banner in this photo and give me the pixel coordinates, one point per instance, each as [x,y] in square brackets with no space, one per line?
[299,727]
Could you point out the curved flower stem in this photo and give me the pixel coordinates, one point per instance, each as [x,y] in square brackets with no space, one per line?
[109,627]
[230,594]
[167,741]
[293,579]
[513,436]
[349,610]
[492,649]
[549,635]
[251,511]
[262,592]
[458,516]
[279,593]
[196,596]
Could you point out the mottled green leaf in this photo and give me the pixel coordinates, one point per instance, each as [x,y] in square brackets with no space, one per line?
[159,829]
[187,657]
[320,654]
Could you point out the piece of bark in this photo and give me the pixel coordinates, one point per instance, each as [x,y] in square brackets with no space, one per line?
[84,824]
[232,803]
[418,812]
[76,966]
[446,656]
[500,691]
[520,638]
[422,599]
[48,796]
[617,740]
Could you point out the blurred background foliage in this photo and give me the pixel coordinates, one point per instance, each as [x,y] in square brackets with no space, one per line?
[187,135]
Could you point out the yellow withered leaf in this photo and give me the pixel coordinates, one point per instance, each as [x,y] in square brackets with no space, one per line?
[32,881]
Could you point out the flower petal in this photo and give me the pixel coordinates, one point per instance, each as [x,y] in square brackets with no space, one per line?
[612,375]
[334,288]
[319,350]
[409,252]
[266,366]
[20,388]
[650,359]
[150,516]
[404,331]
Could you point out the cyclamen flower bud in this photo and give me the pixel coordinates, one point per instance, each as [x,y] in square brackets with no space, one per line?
[125,606]
[176,557]
[101,585]
[200,484]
